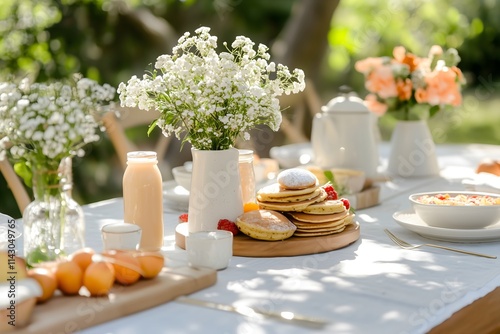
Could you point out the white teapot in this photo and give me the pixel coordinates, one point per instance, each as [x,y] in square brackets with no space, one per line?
[343,136]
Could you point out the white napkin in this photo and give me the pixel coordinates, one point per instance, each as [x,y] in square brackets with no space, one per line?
[484,182]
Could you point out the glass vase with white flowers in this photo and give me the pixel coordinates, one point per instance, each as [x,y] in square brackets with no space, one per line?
[42,126]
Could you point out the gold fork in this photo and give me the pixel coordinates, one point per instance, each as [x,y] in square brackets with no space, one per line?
[403,244]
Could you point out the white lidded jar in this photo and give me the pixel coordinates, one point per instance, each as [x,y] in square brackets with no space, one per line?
[143,198]
[343,136]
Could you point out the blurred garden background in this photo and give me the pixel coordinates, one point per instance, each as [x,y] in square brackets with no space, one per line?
[111,40]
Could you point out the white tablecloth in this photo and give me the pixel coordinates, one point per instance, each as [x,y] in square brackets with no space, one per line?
[371,286]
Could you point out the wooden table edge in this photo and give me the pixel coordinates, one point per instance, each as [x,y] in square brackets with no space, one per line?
[481,316]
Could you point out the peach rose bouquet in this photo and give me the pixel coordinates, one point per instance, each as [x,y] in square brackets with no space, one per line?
[409,87]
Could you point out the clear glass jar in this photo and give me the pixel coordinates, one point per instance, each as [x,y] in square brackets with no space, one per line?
[143,198]
[247,176]
[54,222]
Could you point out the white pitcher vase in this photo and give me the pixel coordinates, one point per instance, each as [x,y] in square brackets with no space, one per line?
[215,189]
[413,152]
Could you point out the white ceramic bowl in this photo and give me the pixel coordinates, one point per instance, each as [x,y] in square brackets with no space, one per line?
[182,176]
[456,216]
[350,180]
[292,155]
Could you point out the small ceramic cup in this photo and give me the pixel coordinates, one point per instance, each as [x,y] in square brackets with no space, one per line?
[210,249]
[122,236]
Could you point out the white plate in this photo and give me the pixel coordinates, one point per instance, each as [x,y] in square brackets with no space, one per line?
[409,219]
[175,196]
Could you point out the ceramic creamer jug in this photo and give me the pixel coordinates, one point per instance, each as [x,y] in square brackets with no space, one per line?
[343,136]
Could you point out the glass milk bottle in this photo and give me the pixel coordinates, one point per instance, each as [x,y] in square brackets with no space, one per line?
[247,176]
[143,198]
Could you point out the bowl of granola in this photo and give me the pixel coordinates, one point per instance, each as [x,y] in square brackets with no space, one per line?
[457,209]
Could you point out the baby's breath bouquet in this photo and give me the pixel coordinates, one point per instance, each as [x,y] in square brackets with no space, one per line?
[42,125]
[208,98]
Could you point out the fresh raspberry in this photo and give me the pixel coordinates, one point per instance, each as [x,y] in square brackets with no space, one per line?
[183,218]
[227,225]
[332,194]
[346,203]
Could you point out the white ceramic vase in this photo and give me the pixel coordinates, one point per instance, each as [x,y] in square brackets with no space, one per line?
[215,189]
[413,153]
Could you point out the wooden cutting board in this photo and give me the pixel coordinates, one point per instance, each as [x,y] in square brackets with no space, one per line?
[68,314]
[245,246]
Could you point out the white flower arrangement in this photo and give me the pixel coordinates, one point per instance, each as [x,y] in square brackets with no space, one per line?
[210,99]
[43,123]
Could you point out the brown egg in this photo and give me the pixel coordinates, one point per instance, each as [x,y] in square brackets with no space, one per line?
[83,257]
[99,278]
[47,281]
[127,267]
[69,277]
[151,263]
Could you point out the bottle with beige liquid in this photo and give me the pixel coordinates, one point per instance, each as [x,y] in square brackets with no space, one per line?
[247,176]
[143,198]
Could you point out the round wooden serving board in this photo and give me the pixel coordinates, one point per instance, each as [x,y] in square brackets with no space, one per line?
[245,246]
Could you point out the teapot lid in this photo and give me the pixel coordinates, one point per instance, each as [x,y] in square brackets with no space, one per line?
[347,101]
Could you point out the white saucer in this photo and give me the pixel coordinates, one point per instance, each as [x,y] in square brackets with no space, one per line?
[409,219]
[175,196]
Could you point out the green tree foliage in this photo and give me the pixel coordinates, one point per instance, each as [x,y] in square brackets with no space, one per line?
[373,28]
[25,44]
[108,40]
[481,48]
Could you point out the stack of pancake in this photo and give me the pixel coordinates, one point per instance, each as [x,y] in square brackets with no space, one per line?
[275,197]
[298,195]
[320,223]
